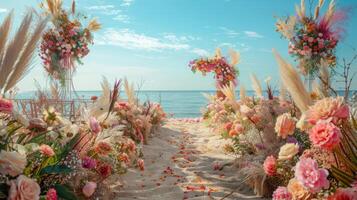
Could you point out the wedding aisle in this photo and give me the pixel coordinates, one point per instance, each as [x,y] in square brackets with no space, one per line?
[182,162]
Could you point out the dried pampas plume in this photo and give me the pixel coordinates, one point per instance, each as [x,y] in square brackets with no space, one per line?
[283,93]
[242,92]
[218,53]
[230,93]
[129,91]
[235,57]
[293,83]
[330,12]
[256,86]
[94,25]
[325,78]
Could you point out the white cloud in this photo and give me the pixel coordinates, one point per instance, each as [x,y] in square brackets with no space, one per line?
[3,10]
[200,52]
[105,9]
[122,18]
[229,32]
[253,34]
[127,3]
[130,40]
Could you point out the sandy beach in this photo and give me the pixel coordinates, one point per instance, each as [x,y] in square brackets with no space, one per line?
[181,160]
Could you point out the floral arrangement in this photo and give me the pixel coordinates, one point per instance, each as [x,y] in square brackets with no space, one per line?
[67,42]
[51,157]
[313,39]
[224,72]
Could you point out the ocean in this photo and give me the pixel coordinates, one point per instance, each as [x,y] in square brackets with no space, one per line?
[178,104]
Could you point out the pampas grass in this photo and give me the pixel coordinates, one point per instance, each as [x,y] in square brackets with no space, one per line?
[235,57]
[293,83]
[16,55]
[242,92]
[218,53]
[130,92]
[229,92]
[94,25]
[256,86]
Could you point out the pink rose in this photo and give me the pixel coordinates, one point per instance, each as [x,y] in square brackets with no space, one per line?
[285,125]
[228,126]
[310,176]
[24,188]
[5,105]
[270,166]
[89,188]
[123,157]
[325,135]
[282,193]
[140,163]
[94,125]
[344,194]
[326,108]
[46,150]
[12,163]
[51,194]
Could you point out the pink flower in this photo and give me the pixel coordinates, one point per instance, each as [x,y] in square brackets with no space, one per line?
[46,150]
[325,135]
[103,148]
[270,166]
[282,193]
[104,170]
[140,164]
[123,157]
[238,128]
[232,133]
[285,125]
[94,125]
[344,194]
[89,163]
[51,194]
[228,126]
[5,105]
[310,176]
[326,108]
[89,188]
[24,188]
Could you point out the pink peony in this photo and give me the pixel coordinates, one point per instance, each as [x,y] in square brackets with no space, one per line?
[24,189]
[89,188]
[5,105]
[325,135]
[270,166]
[310,176]
[94,125]
[344,194]
[326,108]
[285,125]
[282,193]
[51,194]
[46,150]
[141,165]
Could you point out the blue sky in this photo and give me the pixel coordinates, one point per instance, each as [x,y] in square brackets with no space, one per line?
[152,41]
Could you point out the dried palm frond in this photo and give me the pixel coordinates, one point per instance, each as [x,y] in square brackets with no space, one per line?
[218,53]
[130,92]
[94,25]
[256,86]
[293,83]
[4,32]
[242,92]
[17,54]
[235,57]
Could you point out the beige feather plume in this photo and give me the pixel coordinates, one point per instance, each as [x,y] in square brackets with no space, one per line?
[293,83]
[316,89]
[218,53]
[130,92]
[242,92]
[283,93]
[298,11]
[302,7]
[208,96]
[331,11]
[235,57]
[325,77]
[4,32]
[256,86]
[94,25]
[321,3]
[230,93]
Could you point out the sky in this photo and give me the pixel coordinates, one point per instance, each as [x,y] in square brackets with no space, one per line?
[152,41]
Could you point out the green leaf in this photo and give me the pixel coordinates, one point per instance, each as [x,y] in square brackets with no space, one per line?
[69,147]
[55,169]
[65,192]
[4,188]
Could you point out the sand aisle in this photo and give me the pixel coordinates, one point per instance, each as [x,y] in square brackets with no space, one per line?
[179,163]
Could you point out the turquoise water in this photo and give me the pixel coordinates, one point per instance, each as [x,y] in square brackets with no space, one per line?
[180,104]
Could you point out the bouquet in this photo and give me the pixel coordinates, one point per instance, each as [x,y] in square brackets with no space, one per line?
[66,43]
[312,39]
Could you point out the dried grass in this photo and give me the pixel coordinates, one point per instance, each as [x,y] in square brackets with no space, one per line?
[256,86]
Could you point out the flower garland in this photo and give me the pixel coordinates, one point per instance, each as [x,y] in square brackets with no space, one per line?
[224,72]
[312,39]
[66,43]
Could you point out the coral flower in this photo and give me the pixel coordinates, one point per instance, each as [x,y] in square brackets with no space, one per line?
[270,166]
[326,108]
[233,133]
[46,150]
[228,126]
[282,193]
[344,194]
[325,135]
[297,190]
[285,125]
[51,194]
[104,170]
[103,148]
[123,157]
[310,176]
[140,164]
[5,105]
